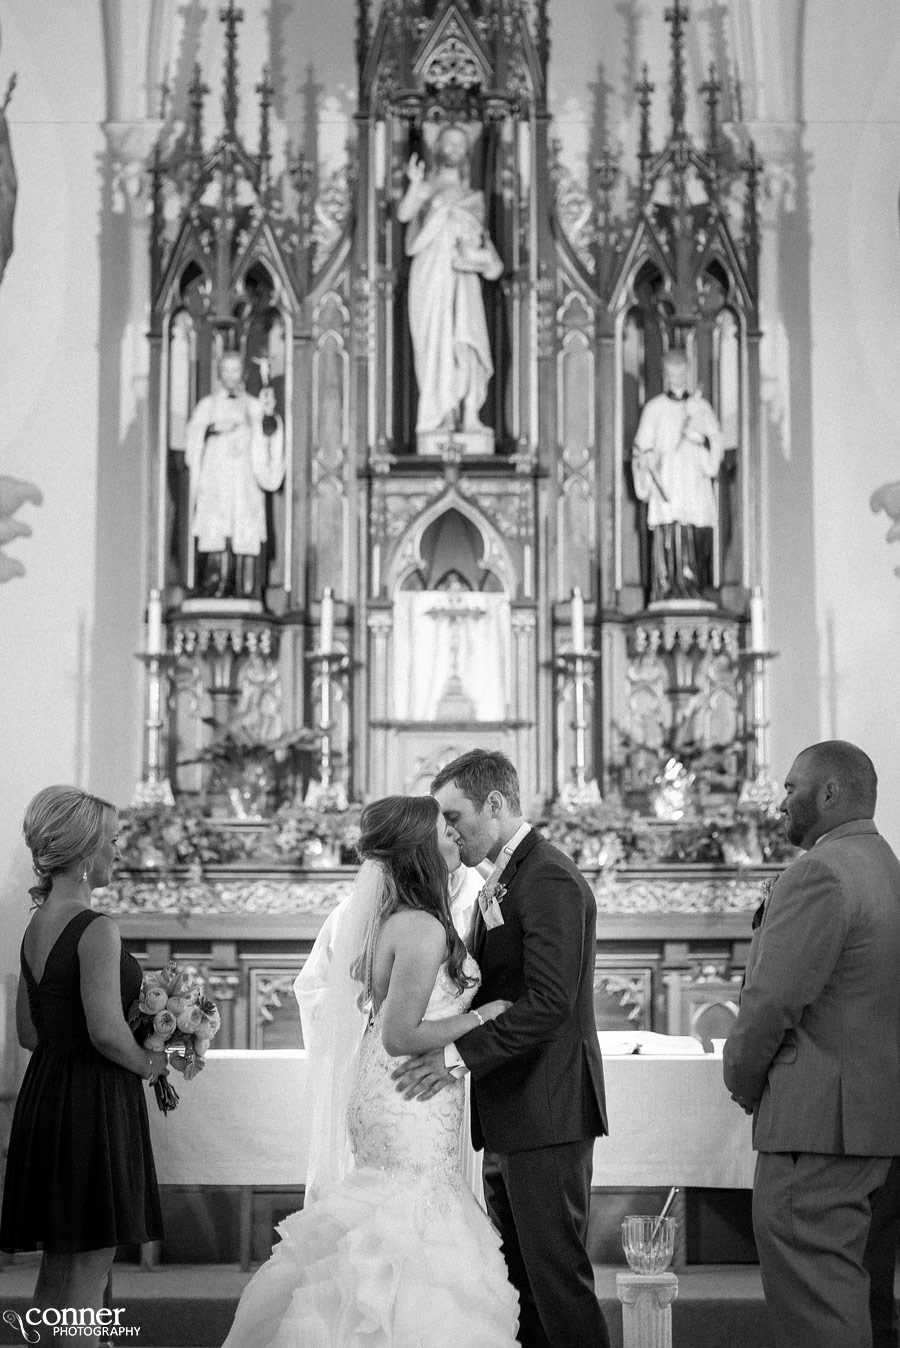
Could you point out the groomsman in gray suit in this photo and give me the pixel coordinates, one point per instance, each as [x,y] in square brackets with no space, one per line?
[815,1052]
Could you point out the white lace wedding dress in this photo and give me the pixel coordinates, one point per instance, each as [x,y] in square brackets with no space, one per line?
[398,1255]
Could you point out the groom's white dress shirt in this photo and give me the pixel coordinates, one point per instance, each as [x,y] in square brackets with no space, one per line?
[452,1056]
[465,882]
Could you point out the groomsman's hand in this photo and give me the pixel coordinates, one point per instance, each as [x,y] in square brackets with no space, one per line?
[421,1077]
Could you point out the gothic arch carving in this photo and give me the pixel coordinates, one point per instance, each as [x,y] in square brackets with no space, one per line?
[407,556]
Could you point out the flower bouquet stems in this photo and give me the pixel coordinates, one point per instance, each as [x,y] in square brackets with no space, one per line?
[166,1095]
[172,1015]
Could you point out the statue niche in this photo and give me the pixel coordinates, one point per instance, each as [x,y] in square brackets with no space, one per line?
[451,631]
[226,458]
[451,256]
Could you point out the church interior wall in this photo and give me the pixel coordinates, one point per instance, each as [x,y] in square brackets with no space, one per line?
[68,630]
[851,94]
[71,379]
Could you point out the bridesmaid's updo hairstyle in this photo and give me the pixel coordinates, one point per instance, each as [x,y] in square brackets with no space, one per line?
[62,824]
[401,833]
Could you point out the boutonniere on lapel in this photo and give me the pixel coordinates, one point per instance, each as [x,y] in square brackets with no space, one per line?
[759,915]
[490,897]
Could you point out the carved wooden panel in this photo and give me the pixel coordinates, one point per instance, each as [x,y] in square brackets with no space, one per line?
[274,1016]
[703,1002]
[623,995]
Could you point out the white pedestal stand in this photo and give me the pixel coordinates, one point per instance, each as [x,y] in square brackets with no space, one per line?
[646,1308]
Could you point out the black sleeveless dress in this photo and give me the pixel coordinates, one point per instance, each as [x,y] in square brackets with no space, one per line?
[79,1170]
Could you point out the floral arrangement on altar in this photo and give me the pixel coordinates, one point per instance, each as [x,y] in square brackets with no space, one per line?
[250,768]
[163,836]
[589,832]
[317,836]
[172,1014]
[747,832]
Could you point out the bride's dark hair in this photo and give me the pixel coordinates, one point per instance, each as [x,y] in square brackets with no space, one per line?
[401,833]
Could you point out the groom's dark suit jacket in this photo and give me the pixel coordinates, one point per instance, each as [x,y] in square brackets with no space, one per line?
[536,1071]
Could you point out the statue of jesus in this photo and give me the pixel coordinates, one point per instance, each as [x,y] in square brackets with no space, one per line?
[450,251]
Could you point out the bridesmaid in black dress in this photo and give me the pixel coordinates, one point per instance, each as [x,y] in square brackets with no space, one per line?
[80,1178]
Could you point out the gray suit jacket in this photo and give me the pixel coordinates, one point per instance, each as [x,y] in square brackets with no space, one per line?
[816,1045]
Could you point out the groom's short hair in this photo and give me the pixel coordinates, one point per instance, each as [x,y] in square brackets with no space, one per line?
[478,773]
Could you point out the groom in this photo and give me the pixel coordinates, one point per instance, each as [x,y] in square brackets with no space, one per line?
[537,1099]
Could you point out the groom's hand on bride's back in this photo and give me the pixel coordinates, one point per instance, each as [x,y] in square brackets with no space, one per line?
[421,1077]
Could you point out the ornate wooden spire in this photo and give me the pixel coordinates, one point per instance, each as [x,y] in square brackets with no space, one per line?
[711,89]
[644,90]
[752,166]
[677,16]
[266,91]
[363,34]
[302,175]
[230,17]
[543,35]
[156,217]
[197,92]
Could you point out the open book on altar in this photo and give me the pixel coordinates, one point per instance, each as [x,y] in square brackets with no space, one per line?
[622,1042]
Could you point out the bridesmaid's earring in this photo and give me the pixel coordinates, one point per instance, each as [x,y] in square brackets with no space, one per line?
[84,873]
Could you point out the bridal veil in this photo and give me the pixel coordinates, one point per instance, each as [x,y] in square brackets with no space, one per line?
[333,990]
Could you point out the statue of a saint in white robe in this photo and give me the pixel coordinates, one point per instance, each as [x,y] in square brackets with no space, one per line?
[235,454]
[451,251]
[677,456]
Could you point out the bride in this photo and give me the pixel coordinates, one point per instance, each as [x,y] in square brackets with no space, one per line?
[391,1250]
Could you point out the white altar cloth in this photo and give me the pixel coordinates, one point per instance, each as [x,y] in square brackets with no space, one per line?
[244,1121]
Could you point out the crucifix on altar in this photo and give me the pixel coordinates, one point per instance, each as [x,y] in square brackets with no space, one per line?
[456,610]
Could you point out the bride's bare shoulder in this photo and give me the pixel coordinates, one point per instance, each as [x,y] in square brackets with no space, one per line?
[414,926]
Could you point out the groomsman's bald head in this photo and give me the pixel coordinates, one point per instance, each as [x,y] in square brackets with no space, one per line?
[829,784]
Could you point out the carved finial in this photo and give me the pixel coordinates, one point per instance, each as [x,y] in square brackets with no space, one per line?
[752,166]
[266,91]
[600,92]
[302,175]
[607,227]
[606,171]
[543,35]
[156,217]
[312,91]
[197,91]
[677,16]
[363,33]
[644,90]
[230,17]
[711,89]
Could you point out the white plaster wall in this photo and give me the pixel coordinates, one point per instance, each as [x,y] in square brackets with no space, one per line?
[49,433]
[852,107]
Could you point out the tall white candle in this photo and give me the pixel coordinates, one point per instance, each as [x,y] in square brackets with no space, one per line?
[326,633]
[155,645]
[757,621]
[578,621]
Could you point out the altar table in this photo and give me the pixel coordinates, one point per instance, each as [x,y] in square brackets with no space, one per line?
[245,1121]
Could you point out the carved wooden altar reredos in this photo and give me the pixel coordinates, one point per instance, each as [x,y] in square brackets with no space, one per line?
[452,554]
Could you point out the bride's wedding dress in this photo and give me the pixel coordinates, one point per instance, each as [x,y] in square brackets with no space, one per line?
[398,1254]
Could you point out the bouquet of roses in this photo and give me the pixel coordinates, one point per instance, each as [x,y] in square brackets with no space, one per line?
[171,1013]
